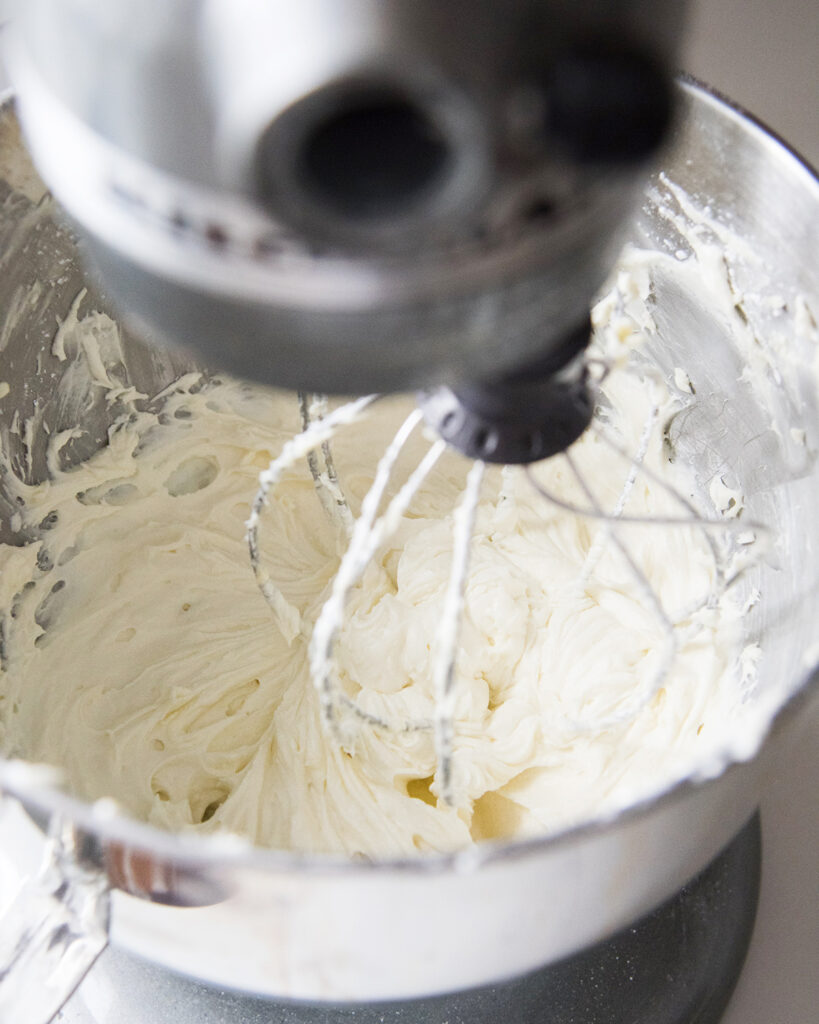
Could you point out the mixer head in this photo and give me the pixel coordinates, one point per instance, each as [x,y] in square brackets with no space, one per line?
[368,195]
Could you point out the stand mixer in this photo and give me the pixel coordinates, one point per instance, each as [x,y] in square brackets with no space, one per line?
[238,209]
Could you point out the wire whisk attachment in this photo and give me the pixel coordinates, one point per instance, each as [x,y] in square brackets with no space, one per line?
[578,499]
[365,535]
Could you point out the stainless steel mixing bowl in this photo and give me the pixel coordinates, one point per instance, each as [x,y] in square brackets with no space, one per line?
[311,927]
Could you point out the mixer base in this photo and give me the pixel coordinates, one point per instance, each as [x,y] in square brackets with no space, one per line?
[679,965]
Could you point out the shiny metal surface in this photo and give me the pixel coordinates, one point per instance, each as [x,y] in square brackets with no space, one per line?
[349,196]
[53,932]
[296,926]
[700,935]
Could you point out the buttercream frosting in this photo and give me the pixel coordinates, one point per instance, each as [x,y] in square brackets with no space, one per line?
[140,657]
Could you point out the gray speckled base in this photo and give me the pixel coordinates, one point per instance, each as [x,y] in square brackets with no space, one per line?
[679,965]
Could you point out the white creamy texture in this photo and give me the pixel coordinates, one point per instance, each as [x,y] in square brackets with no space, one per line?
[142,660]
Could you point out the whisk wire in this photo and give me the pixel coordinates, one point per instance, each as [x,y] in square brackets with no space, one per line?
[759,532]
[287,616]
[369,533]
[313,407]
[649,597]
[449,632]
[599,544]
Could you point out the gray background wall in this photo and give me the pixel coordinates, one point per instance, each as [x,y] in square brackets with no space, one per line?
[765,55]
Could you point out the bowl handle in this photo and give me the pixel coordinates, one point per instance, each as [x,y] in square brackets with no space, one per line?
[53,932]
